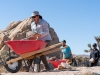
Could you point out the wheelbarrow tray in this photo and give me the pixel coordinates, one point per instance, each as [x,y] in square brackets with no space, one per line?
[25,46]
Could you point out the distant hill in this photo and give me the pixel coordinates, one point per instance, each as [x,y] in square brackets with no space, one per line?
[81,55]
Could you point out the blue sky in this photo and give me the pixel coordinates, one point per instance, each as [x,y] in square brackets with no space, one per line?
[76,21]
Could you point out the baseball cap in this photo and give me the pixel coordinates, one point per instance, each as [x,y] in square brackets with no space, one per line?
[94,45]
[34,13]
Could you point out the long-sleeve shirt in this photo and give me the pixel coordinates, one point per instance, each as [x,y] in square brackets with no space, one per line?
[94,54]
[41,28]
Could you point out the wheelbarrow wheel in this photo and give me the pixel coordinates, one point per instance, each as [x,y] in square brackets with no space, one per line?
[14,66]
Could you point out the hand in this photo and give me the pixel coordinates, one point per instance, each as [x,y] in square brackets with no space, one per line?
[36,36]
[91,60]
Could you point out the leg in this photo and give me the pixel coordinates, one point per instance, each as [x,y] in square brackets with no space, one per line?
[43,58]
[37,64]
[30,62]
[96,63]
[92,64]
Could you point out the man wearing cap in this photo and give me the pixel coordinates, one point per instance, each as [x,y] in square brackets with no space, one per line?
[66,53]
[41,27]
[94,55]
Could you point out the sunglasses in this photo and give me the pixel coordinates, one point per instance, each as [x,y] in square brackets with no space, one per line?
[34,16]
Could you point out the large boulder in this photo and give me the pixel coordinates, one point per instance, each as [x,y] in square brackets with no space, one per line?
[24,25]
[4,53]
[12,25]
[54,36]
[1,44]
[3,37]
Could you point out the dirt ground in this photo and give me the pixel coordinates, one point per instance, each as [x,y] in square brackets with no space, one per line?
[74,71]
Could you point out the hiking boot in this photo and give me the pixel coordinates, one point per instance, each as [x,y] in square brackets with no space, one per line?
[36,68]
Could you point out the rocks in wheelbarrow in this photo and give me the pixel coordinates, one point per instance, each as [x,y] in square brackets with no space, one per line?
[63,66]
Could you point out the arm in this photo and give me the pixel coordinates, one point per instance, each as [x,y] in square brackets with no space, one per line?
[33,34]
[97,55]
[45,28]
[33,27]
[61,55]
[91,52]
[71,54]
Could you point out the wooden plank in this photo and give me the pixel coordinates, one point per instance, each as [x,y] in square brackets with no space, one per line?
[46,52]
[32,53]
[39,51]
[13,60]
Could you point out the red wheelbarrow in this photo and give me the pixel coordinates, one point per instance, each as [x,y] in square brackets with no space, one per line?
[26,49]
[56,62]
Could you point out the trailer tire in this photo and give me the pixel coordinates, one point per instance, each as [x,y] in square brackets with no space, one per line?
[13,67]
